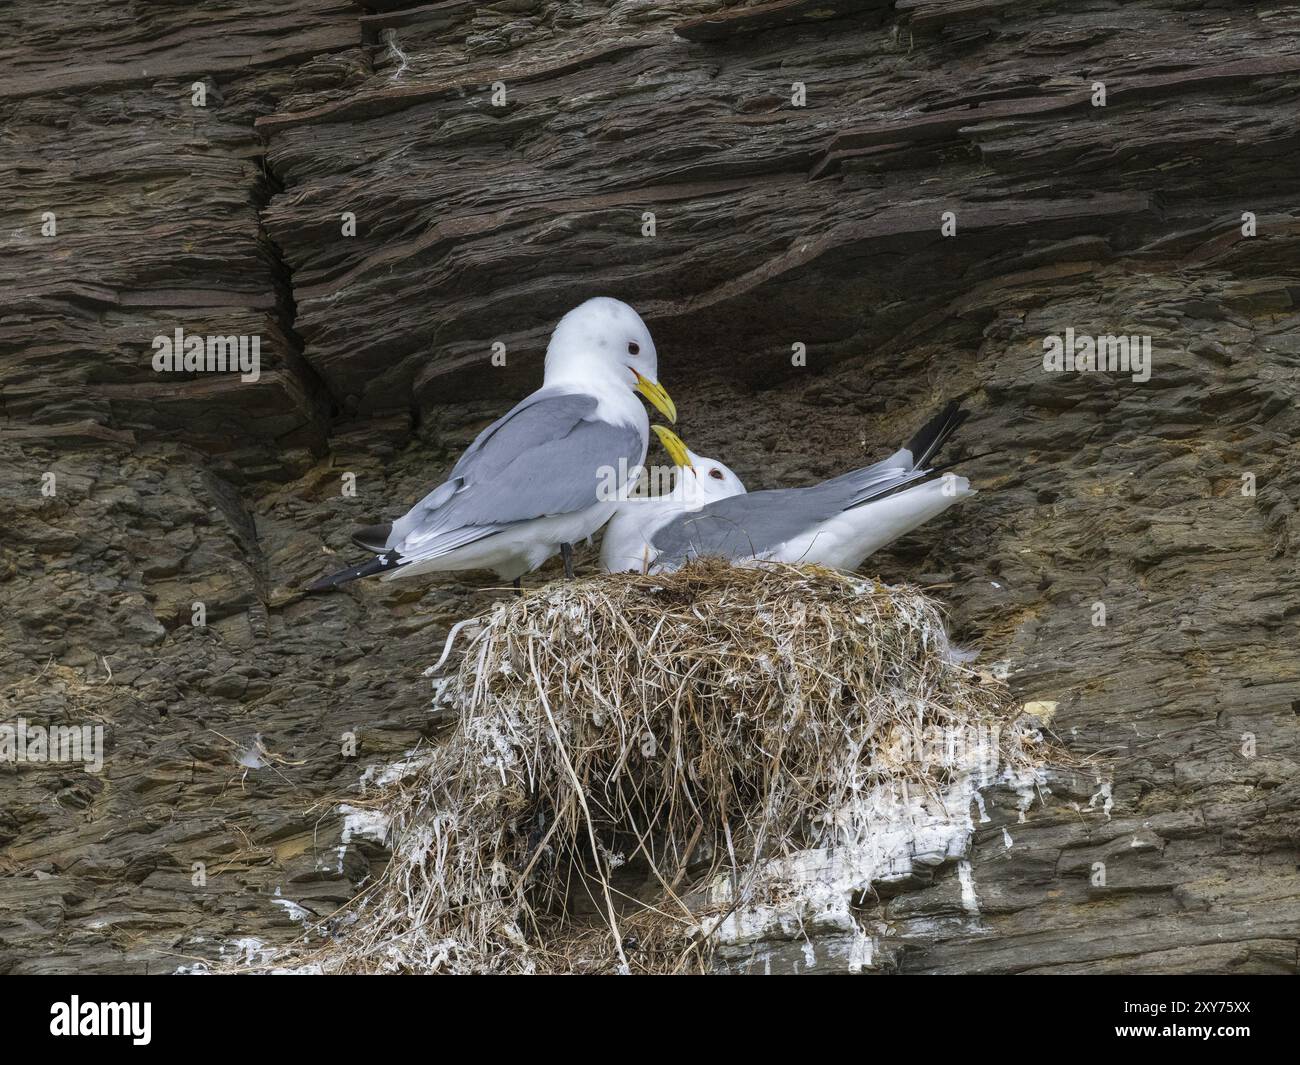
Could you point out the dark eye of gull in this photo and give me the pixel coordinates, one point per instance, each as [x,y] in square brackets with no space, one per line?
[715,472]
[633,348]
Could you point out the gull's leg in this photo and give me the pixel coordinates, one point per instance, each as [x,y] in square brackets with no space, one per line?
[519,588]
[566,550]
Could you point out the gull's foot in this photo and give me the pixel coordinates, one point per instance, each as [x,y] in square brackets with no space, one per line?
[566,551]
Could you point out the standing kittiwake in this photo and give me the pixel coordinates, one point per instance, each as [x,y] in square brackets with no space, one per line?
[626,542]
[547,474]
[837,523]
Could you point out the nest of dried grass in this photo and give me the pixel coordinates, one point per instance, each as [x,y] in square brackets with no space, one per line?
[641,766]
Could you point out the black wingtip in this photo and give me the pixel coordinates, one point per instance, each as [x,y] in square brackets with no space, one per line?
[324,584]
[933,434]
[379,564]
[373,537]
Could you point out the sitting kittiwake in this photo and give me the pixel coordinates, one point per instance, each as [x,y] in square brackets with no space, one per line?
[547,474]
[837,523]
[626,544]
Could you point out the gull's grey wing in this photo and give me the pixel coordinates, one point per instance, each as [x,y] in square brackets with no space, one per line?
[544,457]
[748,526]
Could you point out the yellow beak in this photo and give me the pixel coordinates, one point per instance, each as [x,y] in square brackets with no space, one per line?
[655,393]
[673,445]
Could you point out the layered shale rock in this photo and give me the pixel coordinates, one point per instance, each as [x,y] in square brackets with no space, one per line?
[920,193]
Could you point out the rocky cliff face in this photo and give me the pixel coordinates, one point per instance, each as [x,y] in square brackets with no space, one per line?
[919,192]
